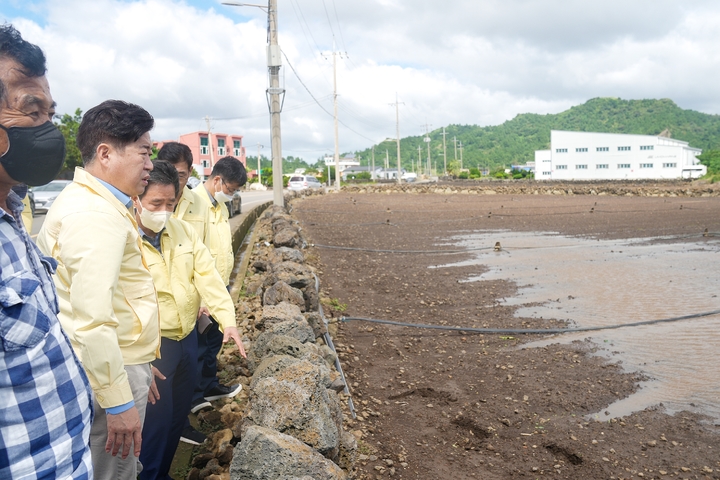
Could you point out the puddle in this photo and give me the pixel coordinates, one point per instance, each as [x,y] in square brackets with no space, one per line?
[610,282]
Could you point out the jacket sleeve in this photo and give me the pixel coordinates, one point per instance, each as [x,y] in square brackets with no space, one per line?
[91,246]
[210,285]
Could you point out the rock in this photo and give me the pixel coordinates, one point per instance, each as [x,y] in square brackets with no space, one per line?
[312,299]
[316,323]
[260,266]
[294,274]
[264,454]
[287,237]
[295,401]
[282,312]
[282,292]
[348,451]
[290,255]
[255,286]
[299,331]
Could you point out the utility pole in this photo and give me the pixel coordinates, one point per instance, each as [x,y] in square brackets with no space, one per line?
[419,157]
[427,140]
[387,161]
[397,127]
[210,142]
[461,155]
[373,163]
[335,106]
[444,151]
[259,165]
[455,141]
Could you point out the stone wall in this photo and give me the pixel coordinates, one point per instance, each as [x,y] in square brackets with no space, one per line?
[292,426]
[676,188]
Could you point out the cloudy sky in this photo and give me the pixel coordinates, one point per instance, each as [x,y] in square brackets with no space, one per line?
[463,62]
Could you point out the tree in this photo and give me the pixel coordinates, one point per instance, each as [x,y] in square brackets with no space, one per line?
[68,126]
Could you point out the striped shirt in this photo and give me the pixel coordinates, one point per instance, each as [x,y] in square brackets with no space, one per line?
[45,397]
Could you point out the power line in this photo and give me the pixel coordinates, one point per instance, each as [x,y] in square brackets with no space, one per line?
[318,103]
[339,27]
[328,19]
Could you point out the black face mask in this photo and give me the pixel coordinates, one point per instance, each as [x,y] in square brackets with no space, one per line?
[35,155]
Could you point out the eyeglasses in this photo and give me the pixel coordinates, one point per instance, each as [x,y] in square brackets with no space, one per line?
[232,192]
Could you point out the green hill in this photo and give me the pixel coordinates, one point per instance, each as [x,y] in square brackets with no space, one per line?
[515,141]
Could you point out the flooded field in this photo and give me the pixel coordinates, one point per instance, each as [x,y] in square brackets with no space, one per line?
[591,282]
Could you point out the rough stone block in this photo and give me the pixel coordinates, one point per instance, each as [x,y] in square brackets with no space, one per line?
[264,454]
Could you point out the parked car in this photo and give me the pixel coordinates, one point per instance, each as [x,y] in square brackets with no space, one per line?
[31,199]
[301,182]
[45,195]
[235,206]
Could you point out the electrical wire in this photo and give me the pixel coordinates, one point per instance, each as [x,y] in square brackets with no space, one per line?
[522,331]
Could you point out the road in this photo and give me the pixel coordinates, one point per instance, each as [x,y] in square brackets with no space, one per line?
[250,199]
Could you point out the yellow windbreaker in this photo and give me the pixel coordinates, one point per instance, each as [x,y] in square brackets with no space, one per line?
[183,273]
[218,238]
[194,211]
[108,305]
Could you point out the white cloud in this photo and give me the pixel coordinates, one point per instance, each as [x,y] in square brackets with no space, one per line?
[464,62]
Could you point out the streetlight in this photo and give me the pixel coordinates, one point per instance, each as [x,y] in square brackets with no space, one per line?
[273,62]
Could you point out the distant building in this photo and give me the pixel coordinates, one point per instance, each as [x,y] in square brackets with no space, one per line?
[208,149]
[345,161]
[350,171]
[616,156]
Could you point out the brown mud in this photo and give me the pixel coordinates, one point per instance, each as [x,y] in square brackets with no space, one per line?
[455,405]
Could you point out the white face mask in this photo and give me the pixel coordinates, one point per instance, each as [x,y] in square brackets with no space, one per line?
[222,197]
[155,221]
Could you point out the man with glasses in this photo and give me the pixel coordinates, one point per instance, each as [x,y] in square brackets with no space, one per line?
[227,176]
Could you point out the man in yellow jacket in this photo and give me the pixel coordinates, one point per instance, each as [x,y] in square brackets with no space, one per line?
[184,274]
[209,218]
[108,305]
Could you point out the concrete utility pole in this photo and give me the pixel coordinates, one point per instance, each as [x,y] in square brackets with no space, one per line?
[335,105]
[397,127]
[419,157]
[461,156]
[210,142]
[259,165]
[455,141]
[444,151]
[387,161]
[274,55]
[427,140]
[372,173]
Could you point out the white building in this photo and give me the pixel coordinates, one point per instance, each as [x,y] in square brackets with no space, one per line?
[616,156]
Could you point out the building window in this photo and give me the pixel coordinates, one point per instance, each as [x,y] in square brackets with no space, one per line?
[221,146]
[204,145]
[561,167]
[581,167]
[623,149]
[669,165]
[546,173]
[581,150]
[236,148]
[205,163]
[603,149]
[646,165]
[623,165]
[646,147]
[602,166]
[546,160]
[561,150]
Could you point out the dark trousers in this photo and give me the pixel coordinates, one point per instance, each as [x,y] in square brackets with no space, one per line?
[165,420]
[209,344]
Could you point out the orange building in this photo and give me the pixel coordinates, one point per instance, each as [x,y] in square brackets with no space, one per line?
[209,148]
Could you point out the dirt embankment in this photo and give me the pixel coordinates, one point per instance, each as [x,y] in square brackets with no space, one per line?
[454,405]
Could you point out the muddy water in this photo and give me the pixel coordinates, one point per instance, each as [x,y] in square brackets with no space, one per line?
[609,282]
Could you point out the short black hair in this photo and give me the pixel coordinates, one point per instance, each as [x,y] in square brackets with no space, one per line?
[176,152]
[30,56]
[115,122]
[163,173]
[231,170]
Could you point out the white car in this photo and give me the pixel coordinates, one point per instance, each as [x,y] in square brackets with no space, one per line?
[302,182]
[45,195]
